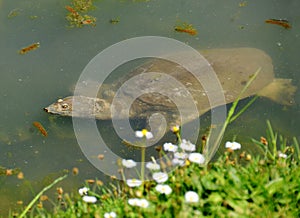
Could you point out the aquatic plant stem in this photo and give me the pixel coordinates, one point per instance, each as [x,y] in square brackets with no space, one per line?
[230,118]
[244,108]
[273,140]
[178,138]
[143,163]
[297,149]
[143,153]
[40,194]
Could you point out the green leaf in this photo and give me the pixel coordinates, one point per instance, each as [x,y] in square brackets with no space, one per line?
[215,198]
[274,185]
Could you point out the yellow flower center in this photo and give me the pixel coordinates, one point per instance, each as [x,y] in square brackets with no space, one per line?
[144,131]
[175,129]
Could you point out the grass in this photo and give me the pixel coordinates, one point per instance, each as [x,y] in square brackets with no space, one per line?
[36,198]
[236,185]
[231,116]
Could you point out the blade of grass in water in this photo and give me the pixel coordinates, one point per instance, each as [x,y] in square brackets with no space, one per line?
[296,144]
[40,194]
[230,118]
[243,109]
[273,138]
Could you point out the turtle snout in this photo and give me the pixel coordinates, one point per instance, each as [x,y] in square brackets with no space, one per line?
[46,109]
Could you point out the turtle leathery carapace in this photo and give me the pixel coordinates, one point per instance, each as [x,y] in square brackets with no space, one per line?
[233,67]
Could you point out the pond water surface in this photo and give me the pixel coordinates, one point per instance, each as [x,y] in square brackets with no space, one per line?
[32,81]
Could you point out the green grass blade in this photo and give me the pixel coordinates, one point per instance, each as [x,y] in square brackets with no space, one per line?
[40,193]
[260,145]
[243,109]
[209,153]
[235,103]
[297,149]
[270,131]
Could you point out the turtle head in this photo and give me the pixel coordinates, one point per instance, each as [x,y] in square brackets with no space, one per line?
[81,106]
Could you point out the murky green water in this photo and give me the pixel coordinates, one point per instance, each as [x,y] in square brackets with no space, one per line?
[32,81]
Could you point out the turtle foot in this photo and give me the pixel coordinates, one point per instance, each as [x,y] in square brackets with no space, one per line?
[281,91]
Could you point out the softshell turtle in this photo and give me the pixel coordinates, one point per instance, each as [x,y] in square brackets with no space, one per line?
[233,67]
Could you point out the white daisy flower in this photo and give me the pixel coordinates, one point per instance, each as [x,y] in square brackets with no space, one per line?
[170,147]
[110,215]
[180,155]
[196,158]
[144,133]
[191,197]
[138,202]
[134,182]
[133,201]
[233,145]
[152,166]
[163,189]
[89,199]
[128,163]
[282,155]
[177,161]
[160,177]
[83,191]
[187,145]
[143,203]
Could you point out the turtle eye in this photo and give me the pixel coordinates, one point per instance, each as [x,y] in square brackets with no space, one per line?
[65,106]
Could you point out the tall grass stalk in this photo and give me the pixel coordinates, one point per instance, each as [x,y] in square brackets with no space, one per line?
[40,194]
[276,144]
[231,116]
[297,148]
[143,154]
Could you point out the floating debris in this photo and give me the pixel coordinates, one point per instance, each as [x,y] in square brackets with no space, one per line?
[88,20]
[279,22]
[77,20]
[5,138]
[8,171]
[186,28]
[40,127]
[75,171]
[243,4]
[83,5]
[90,181]
[75,16]
[13,13]
[20,175]
[20,202]
[29,48]
[33,17]
[100,156]
[114,20]
[72,10]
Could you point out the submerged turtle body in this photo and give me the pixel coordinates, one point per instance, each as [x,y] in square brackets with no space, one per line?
[233,68]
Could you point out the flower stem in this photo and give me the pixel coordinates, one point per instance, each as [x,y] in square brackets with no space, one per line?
[143,153]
